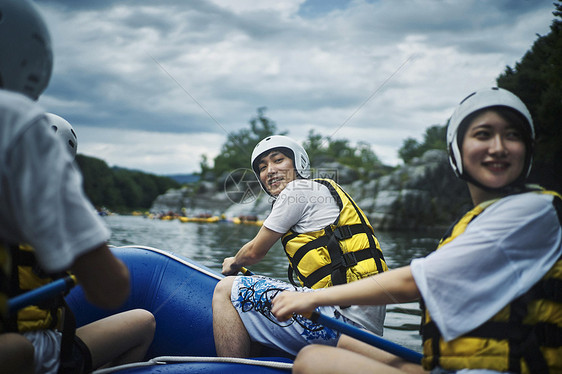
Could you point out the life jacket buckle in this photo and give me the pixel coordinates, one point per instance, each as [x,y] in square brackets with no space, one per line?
[343,232]
[349,259]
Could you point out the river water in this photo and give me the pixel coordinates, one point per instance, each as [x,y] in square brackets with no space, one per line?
[210,243]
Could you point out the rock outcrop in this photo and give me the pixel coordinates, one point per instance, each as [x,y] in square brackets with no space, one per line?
[421,194]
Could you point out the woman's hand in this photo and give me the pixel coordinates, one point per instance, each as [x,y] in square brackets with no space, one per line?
[286,303]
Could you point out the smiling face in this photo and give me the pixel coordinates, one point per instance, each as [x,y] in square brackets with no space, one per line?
[493,153]
[276,170]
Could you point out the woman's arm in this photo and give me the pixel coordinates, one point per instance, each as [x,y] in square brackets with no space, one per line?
[252,252]
[390,287]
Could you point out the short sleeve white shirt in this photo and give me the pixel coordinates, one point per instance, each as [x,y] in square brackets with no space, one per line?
[42,202]
[303,206]
[503,252]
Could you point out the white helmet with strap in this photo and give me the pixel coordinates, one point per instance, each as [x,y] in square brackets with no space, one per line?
[65,131]
[296,152]
[481,99]
[26,56]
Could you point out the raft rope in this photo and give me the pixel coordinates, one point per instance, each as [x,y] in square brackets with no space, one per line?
[163,360]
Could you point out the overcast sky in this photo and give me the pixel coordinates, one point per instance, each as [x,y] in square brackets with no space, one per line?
[154,85]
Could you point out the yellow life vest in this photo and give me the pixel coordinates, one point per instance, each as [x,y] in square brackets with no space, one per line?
[524,337]
[342,252]
[20,273]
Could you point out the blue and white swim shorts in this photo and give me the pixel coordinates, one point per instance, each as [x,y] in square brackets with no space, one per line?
[252,296]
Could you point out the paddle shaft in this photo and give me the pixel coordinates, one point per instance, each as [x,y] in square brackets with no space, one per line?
[367,337]
[41,293]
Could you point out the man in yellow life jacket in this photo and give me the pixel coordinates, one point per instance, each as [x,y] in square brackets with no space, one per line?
[327,239]
[492,289]
[42,203]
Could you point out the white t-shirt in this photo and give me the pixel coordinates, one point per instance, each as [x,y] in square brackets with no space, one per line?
[501,255]
[305,206]
[41,197]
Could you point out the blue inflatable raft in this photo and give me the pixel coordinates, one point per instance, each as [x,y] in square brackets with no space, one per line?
[178,292]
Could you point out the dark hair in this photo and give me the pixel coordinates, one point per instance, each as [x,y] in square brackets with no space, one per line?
[286,151]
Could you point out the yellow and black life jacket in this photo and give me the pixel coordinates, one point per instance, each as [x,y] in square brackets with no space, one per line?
[524,337]
[342,252]
[22,275]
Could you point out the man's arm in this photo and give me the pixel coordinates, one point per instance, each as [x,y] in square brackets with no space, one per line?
[252,252]
[104,278]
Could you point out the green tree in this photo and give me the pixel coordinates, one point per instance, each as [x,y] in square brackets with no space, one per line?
[409,150]
[537,80]
[99,184]
[324,149]
[236,152]
[130,192]
[434,138]
[120,189]
[366,156]
[313,145]
[206,169]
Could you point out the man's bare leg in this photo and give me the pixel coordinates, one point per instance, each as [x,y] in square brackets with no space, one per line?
[231,337]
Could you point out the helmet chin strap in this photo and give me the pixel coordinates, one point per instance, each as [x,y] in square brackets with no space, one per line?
[514,187]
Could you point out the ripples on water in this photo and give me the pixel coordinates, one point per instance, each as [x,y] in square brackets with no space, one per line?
[210,243]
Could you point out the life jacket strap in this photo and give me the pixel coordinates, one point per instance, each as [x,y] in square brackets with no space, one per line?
[69,363]
[351,259]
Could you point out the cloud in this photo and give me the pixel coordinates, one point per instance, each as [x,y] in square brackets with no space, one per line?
[143,150]
[199,70]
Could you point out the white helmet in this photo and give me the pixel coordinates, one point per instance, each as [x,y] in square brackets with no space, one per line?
[26,56]
[296,152]
[65,131]
[482,99]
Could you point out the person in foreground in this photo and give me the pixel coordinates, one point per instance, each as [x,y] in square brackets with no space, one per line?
[492,289]
[327,239]
[48,226]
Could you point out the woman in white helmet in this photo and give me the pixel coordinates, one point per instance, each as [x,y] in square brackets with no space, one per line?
[327,239]
[48,226]
[492,289]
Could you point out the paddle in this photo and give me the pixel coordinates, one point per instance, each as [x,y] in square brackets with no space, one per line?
[359,334]
[41,293]
[245,271]
[366,337]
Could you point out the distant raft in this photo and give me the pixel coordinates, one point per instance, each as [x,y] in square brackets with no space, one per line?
[247,220]
[212,219]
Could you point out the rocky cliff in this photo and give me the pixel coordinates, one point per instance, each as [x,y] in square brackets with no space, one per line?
[421,194]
